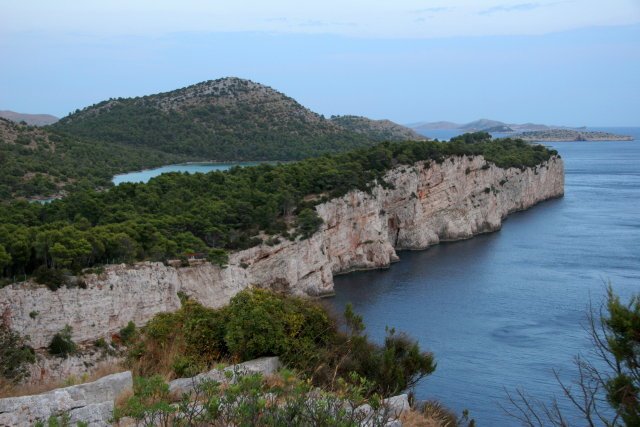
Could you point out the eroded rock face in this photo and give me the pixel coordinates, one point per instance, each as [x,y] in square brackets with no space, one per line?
[422,205]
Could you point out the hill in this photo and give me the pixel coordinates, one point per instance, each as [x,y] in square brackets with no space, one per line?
[482,124]
[226,119]
[36,163]
[30,119]
[381,130]
[442,125]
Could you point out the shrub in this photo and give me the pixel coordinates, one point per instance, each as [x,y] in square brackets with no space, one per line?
[62,345]
[308,222]
[204,331]
[185,366]
[400,364]
[51,277]
[127,333]
[15,355]
[150,403]
[219,257]
[262,323]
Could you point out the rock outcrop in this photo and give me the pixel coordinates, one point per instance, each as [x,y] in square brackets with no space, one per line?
[418,206]
[92,403]
[264,366]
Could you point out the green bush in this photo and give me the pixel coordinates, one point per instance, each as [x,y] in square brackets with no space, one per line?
[204,331]
[308,222]
[218,256]
[15,355]
[62,345]
[262,323]
[51,277]
[128,333]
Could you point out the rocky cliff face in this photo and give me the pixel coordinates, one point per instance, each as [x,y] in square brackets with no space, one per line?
[419,206]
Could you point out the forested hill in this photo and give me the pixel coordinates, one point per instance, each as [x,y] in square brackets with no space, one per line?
[224,119]
[38,163]
[216,212]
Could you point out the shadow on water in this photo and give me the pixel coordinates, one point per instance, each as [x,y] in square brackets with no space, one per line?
[502,310]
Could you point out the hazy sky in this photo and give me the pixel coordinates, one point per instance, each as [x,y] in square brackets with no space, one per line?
[573,62]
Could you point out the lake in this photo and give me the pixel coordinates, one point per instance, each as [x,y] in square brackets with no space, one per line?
[502,310]
[146,175]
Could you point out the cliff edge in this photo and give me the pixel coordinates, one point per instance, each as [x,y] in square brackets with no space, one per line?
[417,207]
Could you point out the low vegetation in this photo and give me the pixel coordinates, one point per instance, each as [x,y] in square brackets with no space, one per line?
[211,214]
[15,357]
[62,345]
[261,323]
[330,370]
[252,400]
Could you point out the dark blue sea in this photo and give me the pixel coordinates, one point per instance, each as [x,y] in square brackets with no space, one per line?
[502,310]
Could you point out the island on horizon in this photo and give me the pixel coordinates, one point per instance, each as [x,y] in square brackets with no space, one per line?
[569,135]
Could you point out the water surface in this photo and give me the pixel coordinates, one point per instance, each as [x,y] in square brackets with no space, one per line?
[502,310]
[146,175]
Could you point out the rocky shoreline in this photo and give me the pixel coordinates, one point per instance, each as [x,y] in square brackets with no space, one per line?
[419,206]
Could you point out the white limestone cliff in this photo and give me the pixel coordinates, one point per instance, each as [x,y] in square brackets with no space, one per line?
[423,204]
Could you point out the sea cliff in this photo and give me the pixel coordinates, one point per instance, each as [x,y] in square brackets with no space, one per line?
[413,208]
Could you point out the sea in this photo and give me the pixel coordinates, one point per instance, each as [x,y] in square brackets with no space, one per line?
[502,311]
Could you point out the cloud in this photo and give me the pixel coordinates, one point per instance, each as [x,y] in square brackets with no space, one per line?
[434,9]
[318,23]
[356,18]
[513,8]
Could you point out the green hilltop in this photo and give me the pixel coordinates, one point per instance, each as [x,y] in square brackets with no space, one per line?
[228,119]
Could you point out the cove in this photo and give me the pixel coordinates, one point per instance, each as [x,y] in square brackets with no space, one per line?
[146,175]
[502,310]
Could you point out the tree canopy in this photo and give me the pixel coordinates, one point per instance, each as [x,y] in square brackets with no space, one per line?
[180,213]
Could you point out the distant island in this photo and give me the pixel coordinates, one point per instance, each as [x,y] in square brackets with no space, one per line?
[570,135]
[484,125]
[525,131]
[30,119]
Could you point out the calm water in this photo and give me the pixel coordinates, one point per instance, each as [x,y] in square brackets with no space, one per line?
[501,310]
[146,175]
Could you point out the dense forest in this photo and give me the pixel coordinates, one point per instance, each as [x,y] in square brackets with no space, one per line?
[212,213]
[35,162]
[225,120]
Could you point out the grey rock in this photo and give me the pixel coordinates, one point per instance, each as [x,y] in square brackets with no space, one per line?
[263,365]
[95,414]
[90,400]
[397,405]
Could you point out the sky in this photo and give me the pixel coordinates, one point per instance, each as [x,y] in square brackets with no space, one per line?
[566,62]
